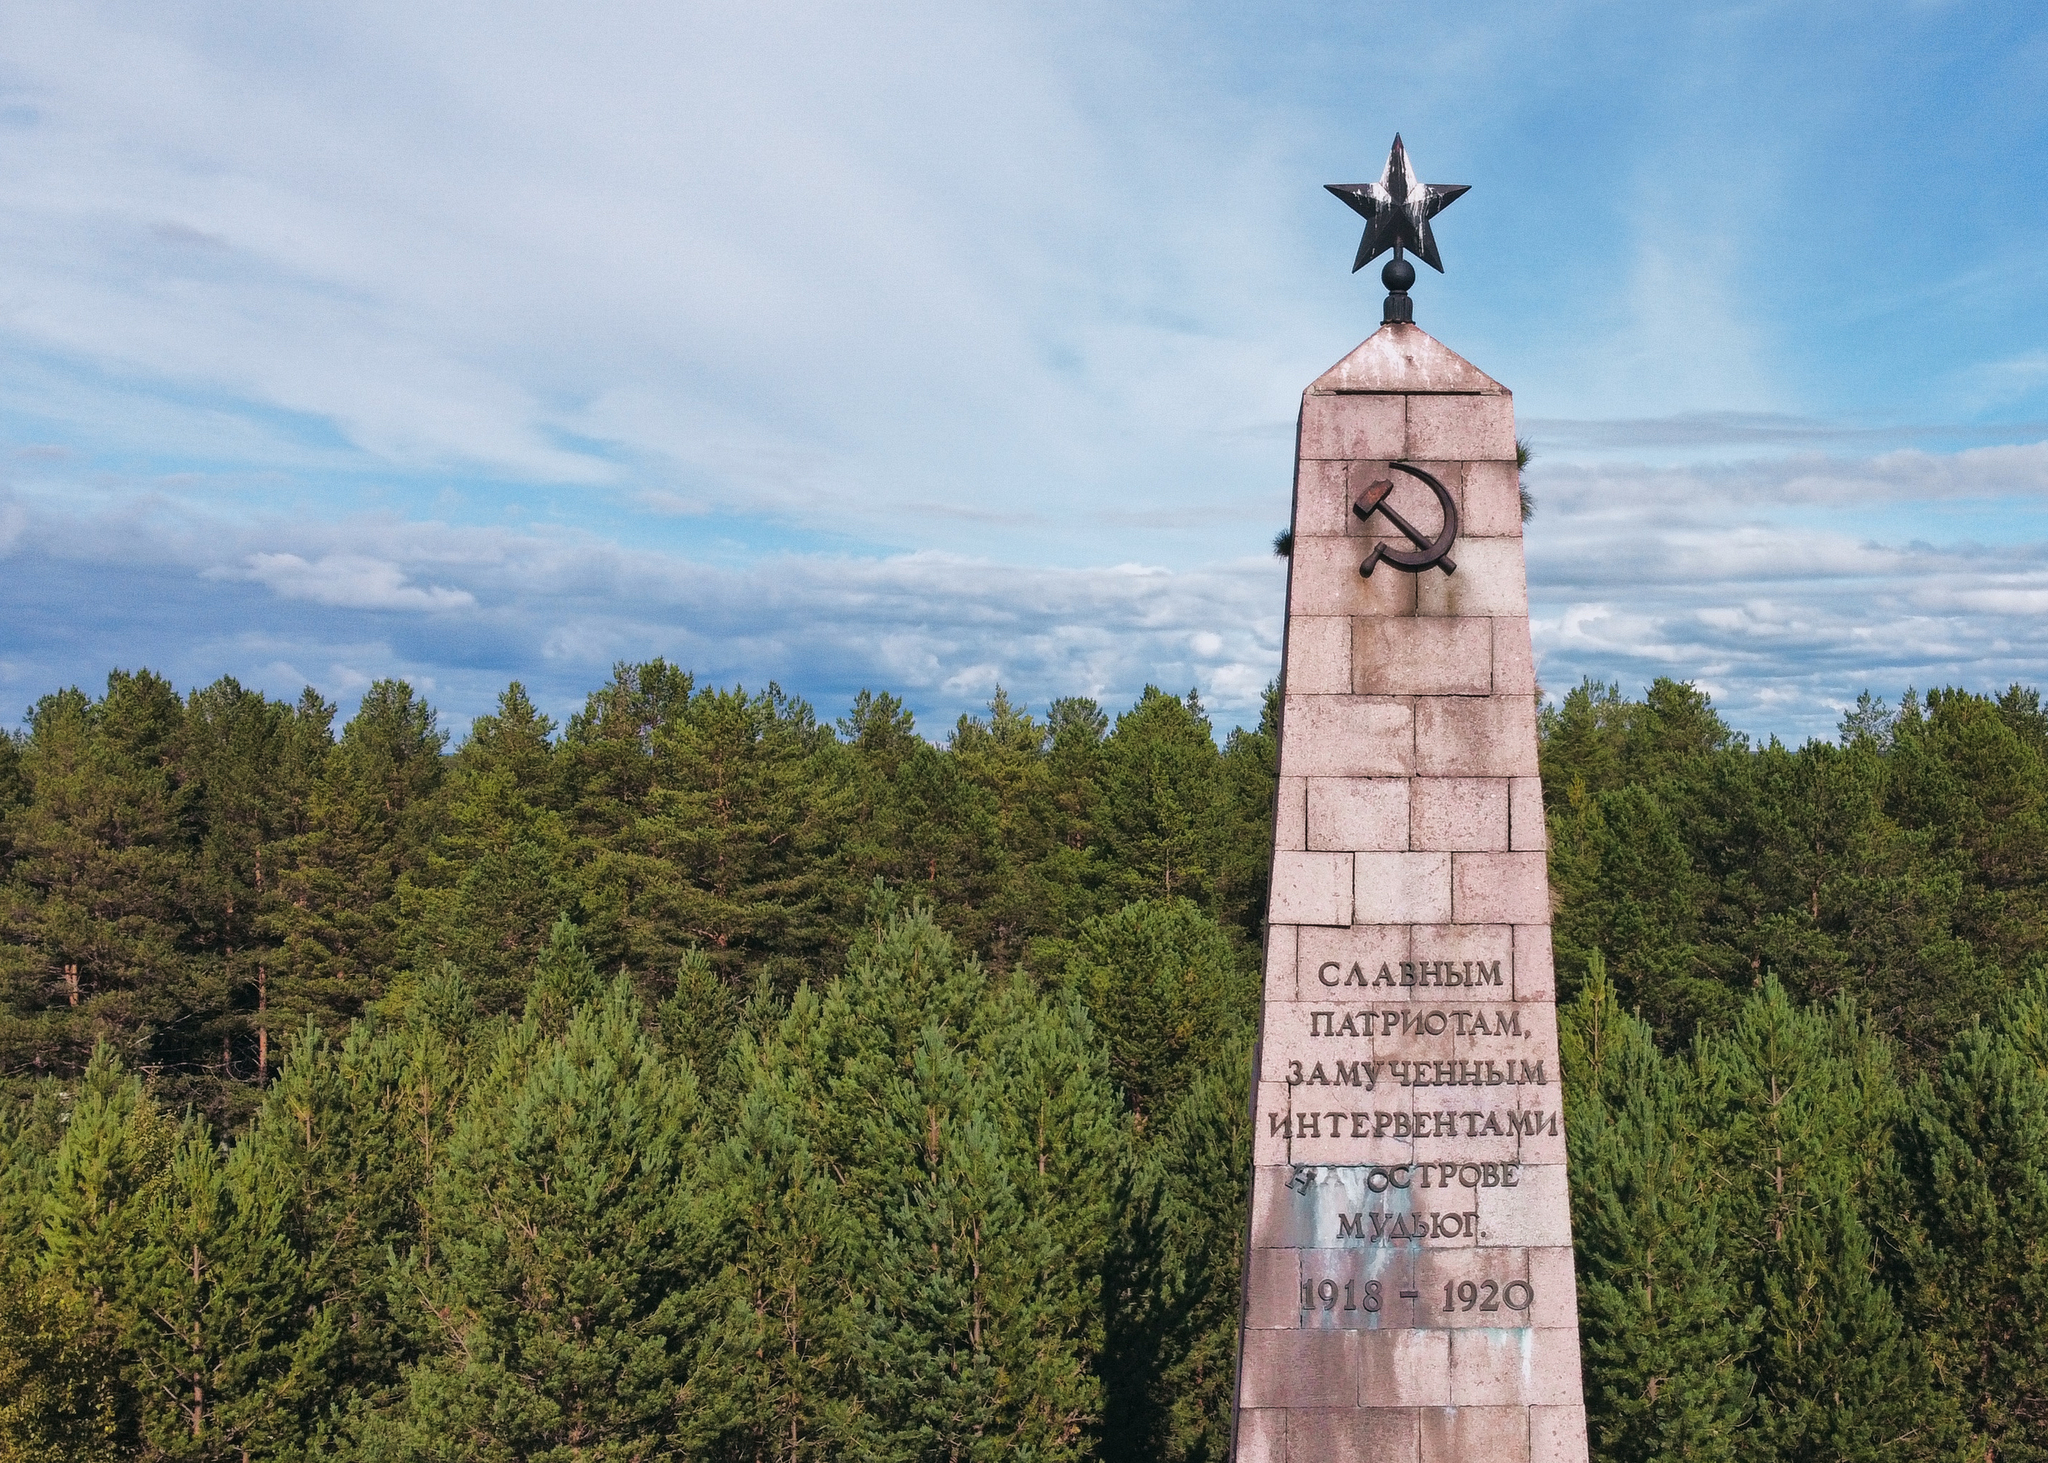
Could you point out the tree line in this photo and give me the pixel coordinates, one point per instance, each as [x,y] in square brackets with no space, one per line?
[704,1080]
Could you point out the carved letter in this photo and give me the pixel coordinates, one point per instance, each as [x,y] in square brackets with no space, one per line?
[1323,972]
[1350,1226]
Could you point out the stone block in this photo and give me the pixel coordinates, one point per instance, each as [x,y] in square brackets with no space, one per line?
[1345,962]
[1469,428]
[1323,579]
[1281,1218]
[1311,889]
[1357,813]
[1421,657]
[1499,888]
[1402,888]
[1490,581]
[1557,1434]
[1492,506]
[1463,813]
[1351,736]
[1463,1434]
[1406,1368]
[1361,426]
[1322,499]
[1361,1435]
[1319,655]
[1514,664]
[1290,815]
[1555,1283]
[1491,1273]
[1535,973]
[1271,1146]
[1542,1143]
[1299,1369]
[1492,1367]
[1282,948]
[1537,1211]
[1489,947]
[1554,1379]
[1261,1435]
[1448,1143]
[1473,736]
[1272,1294]
[1528,832]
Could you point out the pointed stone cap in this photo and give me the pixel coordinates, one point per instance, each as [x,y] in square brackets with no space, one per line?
[1403,360]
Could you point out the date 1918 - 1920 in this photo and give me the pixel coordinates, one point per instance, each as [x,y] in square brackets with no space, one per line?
[1459,1295]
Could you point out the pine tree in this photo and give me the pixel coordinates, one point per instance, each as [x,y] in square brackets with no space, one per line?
[560,1266]
[1170,1367]
[1804,1103]
[496,875]
[1164,984]
[97,859]
[1667,1328]
[1974,1157]
[370,819]
[213,1293]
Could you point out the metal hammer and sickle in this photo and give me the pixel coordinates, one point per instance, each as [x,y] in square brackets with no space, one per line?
[1427,552]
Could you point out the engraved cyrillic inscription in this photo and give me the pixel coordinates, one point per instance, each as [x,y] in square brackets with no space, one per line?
[1473,973]
[1369,1075]
[1431,1021]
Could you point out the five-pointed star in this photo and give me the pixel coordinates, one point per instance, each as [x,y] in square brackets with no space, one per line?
[1397,210]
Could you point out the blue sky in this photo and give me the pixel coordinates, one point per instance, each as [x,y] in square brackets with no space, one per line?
[936,345]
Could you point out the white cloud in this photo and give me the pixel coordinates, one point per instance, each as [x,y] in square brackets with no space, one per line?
[352,582]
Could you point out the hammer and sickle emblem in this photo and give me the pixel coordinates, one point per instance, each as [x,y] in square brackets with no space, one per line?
[1427,552]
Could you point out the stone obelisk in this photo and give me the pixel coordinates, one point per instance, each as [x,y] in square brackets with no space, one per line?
[1408,1288]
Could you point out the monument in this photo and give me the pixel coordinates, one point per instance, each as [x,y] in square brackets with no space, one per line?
[1408,1285]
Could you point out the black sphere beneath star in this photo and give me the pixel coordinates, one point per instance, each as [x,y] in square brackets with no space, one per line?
[1398,275]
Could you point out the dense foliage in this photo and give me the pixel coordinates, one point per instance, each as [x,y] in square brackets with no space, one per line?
[703,1081]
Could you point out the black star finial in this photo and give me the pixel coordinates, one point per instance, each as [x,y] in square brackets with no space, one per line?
[1397,211]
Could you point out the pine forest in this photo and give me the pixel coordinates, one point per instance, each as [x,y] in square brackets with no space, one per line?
[702,1079]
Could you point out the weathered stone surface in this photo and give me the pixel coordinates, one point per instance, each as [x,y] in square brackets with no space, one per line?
[1349,427]
[1527,830]
[1409,1285]
[1299,1369]
[1403,888]
[1349,736]
[1405,360]
[1469,814]
[1315,888]
[1489,581]
[1472,429]
[1358,812]
[1420,657]
[1472,736]
[1514,668]
[1499,889]
[1492,506]
[1323,579]
[1319,655]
